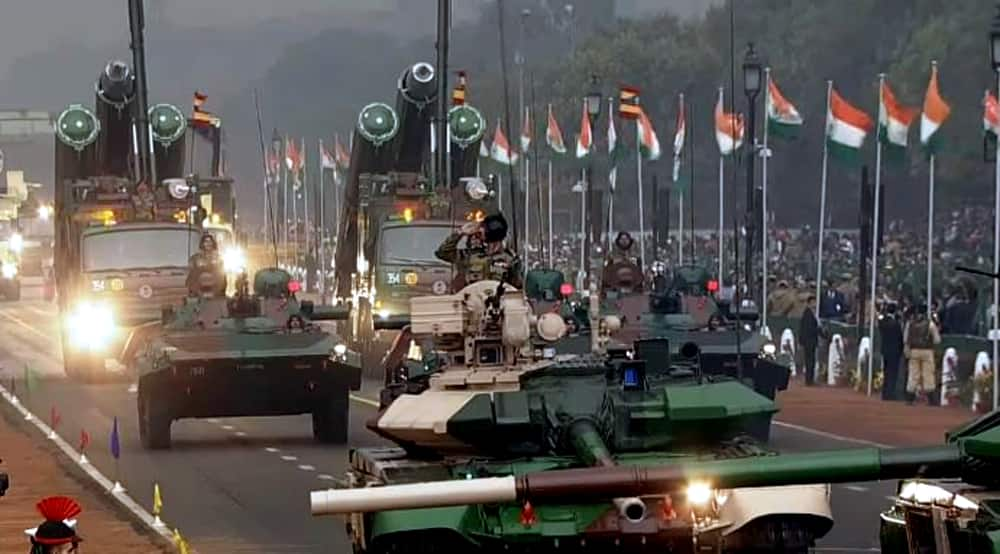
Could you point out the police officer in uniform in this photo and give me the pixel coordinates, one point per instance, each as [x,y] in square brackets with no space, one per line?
[485,255]
[208,263]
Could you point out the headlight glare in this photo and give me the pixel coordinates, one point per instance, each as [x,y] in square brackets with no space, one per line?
[234,260]
[699,493]
[91,326]
[9,270]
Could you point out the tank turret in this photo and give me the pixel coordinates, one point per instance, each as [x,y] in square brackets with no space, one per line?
[168,126]
[416,92]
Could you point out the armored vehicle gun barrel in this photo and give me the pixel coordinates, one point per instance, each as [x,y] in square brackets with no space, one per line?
[415,96]
[591,449]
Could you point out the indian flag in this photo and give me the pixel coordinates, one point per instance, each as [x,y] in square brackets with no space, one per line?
[728,128]
[679,136]
[783,119]
[649,144]
[501,151]
[526,133]
[936,111]
[894,121]
[846,127]
[553,134]
[584,139]
[991,114]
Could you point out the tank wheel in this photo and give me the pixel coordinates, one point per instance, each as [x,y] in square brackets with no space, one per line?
[154,422]
[331,419]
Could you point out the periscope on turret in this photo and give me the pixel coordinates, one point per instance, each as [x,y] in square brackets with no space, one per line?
[477,401]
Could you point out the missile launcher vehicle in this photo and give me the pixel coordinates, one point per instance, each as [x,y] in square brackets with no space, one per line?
[476,399]
[253,354]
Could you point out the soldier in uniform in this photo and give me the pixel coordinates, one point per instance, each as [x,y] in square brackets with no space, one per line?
[144,202]
[622,251]
[485,255]
[206,262]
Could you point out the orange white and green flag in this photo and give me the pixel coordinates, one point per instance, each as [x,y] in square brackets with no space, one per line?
[584,139]
[501,151]
[783,119]
[553,134]
[649,143]
[894,121]
[728,128]
[936,111]
[846,128]
[991,114]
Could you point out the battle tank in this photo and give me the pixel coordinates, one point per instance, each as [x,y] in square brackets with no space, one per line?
[479,398]
[258,354]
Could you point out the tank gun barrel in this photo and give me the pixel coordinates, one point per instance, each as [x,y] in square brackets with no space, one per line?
[964,459]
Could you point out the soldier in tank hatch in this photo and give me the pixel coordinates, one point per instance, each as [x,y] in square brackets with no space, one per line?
[485,255]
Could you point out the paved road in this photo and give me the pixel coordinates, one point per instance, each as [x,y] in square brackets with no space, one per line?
[241,485]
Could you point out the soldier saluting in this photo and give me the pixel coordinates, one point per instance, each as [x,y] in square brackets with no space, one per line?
[205,270]
[485,255]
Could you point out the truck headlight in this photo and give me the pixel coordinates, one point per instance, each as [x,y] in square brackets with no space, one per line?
[699,493]
[91,326]
[9,270]
[234,260]
[16,243]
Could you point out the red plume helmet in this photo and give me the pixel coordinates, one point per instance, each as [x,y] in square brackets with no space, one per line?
[56,510]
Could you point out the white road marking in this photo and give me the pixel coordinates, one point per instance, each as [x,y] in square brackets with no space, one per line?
[133,388]
[212,420]
[289,458]
[856,488]
[43,313]
[324,477]
[272,450]
[827,435]
[240,434]
[228,427]
[306,467]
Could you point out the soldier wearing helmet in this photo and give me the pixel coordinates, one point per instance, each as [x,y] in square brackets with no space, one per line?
[206,274]
[622,251]
[485,255]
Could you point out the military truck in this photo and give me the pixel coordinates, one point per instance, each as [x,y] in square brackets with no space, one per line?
[387,191]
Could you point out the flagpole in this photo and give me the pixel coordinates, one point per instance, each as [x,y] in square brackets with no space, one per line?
[525,168]
[305,209]
[552,258]
[680,189]
[612,175]
[322,225]
[822,209]
[763,200]
[996,267]
[722,184]
[638,166]
[284,237]
[875,227]
[930,236]
[583,229]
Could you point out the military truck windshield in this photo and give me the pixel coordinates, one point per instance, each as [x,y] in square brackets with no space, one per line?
[412,244]
[139,249]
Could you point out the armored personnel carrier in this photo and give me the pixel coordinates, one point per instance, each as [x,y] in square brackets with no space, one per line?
[258,354]
[479,399]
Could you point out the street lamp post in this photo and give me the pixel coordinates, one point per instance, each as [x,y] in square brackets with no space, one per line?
[993,334]
[594,99]
[752,82]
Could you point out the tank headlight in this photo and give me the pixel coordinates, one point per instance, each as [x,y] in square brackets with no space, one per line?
[769,349]
[384,314]
[9,270]
[699,494]
[234,260]
[91,326]
[340,349]
[16,243]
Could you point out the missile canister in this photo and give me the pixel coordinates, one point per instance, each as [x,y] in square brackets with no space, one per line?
[77,130]
[115,90]
[168,126]
[467,128]
[415,97]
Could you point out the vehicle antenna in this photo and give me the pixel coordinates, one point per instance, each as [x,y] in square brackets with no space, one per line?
[506,123]
[267,190]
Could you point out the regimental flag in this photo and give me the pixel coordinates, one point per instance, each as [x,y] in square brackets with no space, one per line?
[628,103]
[526,132]
[936,111]
[458,94]
[783,119]
[991,114]
[846,128]
[584,139]
[680,133]
[728,128]
[326,159]
[553,134]
[649,144]
[341,156]
[894,122]
[501,152]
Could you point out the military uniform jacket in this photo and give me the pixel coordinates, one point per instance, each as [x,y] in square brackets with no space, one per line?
[475,264]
